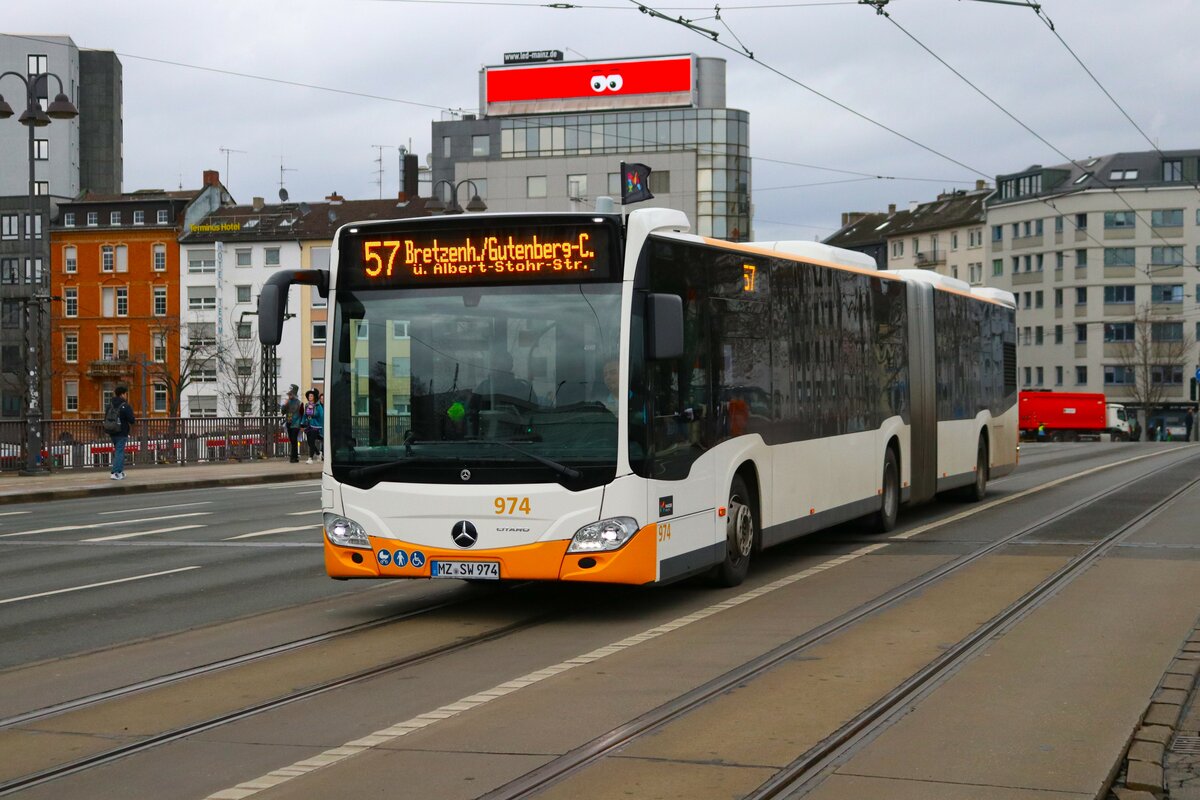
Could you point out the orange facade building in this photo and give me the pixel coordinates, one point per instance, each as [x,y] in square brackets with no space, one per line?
[115,277]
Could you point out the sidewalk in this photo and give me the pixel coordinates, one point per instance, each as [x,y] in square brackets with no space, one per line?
[88,482]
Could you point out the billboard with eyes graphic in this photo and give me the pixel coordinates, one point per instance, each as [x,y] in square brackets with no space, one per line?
[589,85]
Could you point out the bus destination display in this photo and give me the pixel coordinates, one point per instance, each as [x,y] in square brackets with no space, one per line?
[448,256]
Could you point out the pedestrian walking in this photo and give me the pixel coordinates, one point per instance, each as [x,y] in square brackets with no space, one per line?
[293,419]
[118,419]
[1188,421]
[314,424]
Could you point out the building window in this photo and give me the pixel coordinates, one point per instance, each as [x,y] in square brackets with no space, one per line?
[1058,336]
[1081,295]
[202,298]
[160,301]
[997,267]
[1081,258]
[71,348]
[1119,219]
[1171,256]
[577,187]
[158,346]
[202,261]
[1038,299]
[41,149]
[10,226]
[271,256]
[1166,332]
[41,188]
[244,331]
[975,272]
[318,333]
[93,218]
[108,302]
[1166,293]
[139,217]
[1038,338]
[122,258]
[1080,333]
[69,219]
[1172,171]
[535,186]
[1167,218]
[1118,331]
[1123,175]
[243,294]
[1028,376]
[10,313]
[318,370]
[1081,222]
[1118,294]
[1059,260]
[1118,256]
[164,216]
[445,147]
[202,334]
[400,329]
[70,301]
[70,259]
[71,395]
[997,233]
[114,218]
[244,367]
[1058,298]
[362,332]
[160,258]
[108,258]
[122,301]
[202,405]
[10,272]
[1081,375]
[481,145]
[954,240]
[160,398]
[1041,376]
[897,248]
[1058,376]
[1118,375]
[243,256]
[1058,224]
[37,64]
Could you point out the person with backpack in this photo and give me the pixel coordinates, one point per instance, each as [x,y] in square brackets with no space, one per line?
[314,424]
[118,419]
[293,419]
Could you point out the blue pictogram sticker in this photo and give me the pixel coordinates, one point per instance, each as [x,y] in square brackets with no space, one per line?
[400,558]
[417,559]
[384,557]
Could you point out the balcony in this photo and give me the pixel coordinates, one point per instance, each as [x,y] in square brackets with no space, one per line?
[931,258]
[118,366]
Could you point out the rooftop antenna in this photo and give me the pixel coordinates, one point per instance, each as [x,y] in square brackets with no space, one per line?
[227,151]
[283,169]
[379,160]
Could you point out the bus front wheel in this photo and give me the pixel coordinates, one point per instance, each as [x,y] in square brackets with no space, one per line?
[740,529]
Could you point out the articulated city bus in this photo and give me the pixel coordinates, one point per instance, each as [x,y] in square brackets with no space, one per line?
[573,397]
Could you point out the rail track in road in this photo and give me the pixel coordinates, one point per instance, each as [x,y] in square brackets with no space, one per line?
[116,695]
[798,777]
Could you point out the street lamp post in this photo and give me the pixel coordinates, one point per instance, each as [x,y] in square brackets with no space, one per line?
[34,116]
[475,204]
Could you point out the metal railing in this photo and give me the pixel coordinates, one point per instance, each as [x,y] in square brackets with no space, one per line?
[82,443]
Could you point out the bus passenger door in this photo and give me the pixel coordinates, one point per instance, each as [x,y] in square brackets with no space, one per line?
[922,392]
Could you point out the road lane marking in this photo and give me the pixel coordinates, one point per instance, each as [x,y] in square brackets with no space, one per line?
[143,533]
[314,491]
[1032,490]
[13,513]
[94,585]
[268,486]
[393,732]
[302,513]
[156,508]
[273,530]
[62,528]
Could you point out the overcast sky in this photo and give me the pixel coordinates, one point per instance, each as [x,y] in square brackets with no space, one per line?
[418,60]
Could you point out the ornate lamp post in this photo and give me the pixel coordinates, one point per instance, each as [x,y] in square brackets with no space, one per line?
[475,204]
[35,117]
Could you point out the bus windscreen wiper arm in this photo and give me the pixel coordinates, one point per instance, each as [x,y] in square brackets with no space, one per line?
[561,469]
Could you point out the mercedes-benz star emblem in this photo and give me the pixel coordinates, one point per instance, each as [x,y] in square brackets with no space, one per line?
[465,474]
[464,534]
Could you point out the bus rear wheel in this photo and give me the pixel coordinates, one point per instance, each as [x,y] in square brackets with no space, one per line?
[740,531]
[976,490]
[889,509]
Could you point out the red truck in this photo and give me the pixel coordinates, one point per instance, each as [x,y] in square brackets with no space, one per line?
[1070,416]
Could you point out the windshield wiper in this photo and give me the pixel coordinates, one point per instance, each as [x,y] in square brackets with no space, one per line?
[561,469]
[375,469]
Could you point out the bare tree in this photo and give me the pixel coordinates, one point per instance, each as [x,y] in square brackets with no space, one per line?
[1159,351]
[239,366]
[197,357]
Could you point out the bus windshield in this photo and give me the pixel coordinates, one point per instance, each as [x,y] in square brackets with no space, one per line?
[493,384]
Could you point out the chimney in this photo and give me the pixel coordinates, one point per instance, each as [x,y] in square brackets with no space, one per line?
[912,205]
[891,209]
[980,185]
[334,198]
[257,204]
[211,178]
[408,181]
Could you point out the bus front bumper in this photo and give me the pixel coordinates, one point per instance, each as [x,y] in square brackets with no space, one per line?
[635,563]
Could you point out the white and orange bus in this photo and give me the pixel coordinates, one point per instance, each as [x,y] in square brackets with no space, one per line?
[576,397]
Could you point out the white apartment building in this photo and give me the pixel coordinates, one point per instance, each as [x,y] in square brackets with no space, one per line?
[1089,249]
[945,235]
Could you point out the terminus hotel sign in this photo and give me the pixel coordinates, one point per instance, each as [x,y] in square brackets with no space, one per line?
[216,227]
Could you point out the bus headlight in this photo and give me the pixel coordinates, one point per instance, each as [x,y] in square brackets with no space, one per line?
[607,534]
[346,532]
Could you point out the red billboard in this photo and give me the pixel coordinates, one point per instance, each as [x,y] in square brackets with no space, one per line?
[592,83]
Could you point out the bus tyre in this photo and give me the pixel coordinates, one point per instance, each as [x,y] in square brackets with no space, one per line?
[889,509]
[975,492]
[740,530]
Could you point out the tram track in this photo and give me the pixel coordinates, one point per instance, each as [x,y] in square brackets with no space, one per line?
[801,775]
[321,687]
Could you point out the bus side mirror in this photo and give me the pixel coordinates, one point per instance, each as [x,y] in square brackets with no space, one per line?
[664,322]
[272,300]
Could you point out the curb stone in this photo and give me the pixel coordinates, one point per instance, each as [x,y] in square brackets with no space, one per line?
[118,488]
